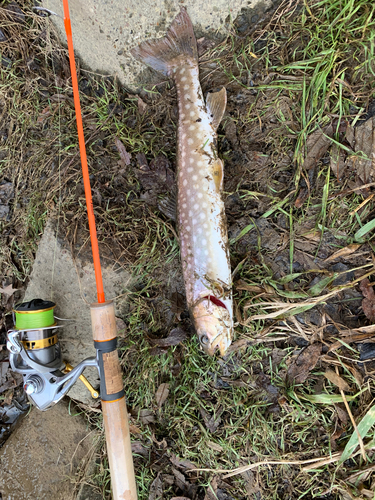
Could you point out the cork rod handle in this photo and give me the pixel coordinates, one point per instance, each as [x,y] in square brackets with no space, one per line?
[115,415]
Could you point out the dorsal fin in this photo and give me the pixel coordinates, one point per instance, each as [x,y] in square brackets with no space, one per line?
[216,103]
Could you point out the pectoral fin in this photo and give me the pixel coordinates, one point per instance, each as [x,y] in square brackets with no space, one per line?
[216,103]
[218,173]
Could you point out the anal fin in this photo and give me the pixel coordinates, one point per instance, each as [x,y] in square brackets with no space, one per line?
[216,103]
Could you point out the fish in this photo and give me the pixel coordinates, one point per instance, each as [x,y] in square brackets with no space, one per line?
[201,219]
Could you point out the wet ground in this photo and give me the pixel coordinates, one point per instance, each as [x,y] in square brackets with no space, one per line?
[300,224]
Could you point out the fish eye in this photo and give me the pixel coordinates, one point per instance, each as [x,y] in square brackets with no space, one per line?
[203,339]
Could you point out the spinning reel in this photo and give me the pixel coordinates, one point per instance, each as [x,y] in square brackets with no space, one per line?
[34,351]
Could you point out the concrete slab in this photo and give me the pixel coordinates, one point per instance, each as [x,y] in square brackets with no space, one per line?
[40,459]
[71,285]
[104,31]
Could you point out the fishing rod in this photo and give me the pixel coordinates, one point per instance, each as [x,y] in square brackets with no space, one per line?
[35,351]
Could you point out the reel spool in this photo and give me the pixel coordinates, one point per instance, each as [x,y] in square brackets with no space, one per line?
[35,353]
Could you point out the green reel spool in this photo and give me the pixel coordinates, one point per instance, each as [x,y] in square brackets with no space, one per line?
[35,314]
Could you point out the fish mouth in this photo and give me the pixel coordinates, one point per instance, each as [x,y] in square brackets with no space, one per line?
[219,343]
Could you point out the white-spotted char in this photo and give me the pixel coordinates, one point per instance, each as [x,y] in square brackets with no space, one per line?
[200,208]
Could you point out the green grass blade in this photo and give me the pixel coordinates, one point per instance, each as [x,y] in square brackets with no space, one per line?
[363,427]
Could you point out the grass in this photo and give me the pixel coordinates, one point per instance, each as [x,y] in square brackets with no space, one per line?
[307,66]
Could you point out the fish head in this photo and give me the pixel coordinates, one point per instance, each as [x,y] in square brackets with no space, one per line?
[213,324]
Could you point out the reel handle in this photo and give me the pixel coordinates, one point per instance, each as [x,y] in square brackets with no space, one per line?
[115,415]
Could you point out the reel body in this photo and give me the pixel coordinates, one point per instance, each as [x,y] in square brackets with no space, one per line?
[34,351]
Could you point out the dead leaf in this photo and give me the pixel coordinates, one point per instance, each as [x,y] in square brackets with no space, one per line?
[176,336]
[317,145]
[343,252]
[44,115]
[134,429]
[300,368]
[211,422]
[124,155]
[178,462]
[177,304]
[337,380]
[8,290]
[368,303]
[203,45]
[162,394]
[121,327]
[342,414]
[184,485]
[363,140]
[214,446]
[145,416]
[141,106]
[156,489]
[337,162]
[139,449]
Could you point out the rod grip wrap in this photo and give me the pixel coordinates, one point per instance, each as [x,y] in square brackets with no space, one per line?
[111,385]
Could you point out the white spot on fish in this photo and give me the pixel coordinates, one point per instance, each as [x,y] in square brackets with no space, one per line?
[194,221]
[202,215]
[187,106]
[200,163]
[204,241]
[190,213]
[182,70]
[190,169]
[192,113]
[184,205]
[185,182]
[200,195]
[195,177]
[190,141]
[188,192]
[186,87]
[205,225]
[183,136]
[183,79]
[182,115]
[188,228]
[206,252]
[191,160]
[195,186]
[192,127]
[199,230]
[203,172]
[196,206]
[204,204]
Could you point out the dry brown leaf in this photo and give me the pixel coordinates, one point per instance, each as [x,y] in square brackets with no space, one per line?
[124,155]
[337,161]
[337,380]
[134,429]
[162,394]
[139,449]
[141,105]
[145,416]
[368,302]
[317,145]
[343,252]
[214,446]
[178,462]
[212,422]
[156,489]
[8,290]
[300,368]
[363,140]
[44,115]
[176,336]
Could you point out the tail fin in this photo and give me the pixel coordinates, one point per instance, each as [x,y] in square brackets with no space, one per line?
[161,54]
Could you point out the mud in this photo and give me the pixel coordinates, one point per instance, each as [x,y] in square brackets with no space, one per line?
[40,461]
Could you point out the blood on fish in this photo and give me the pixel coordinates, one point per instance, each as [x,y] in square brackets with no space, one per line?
[217,301]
